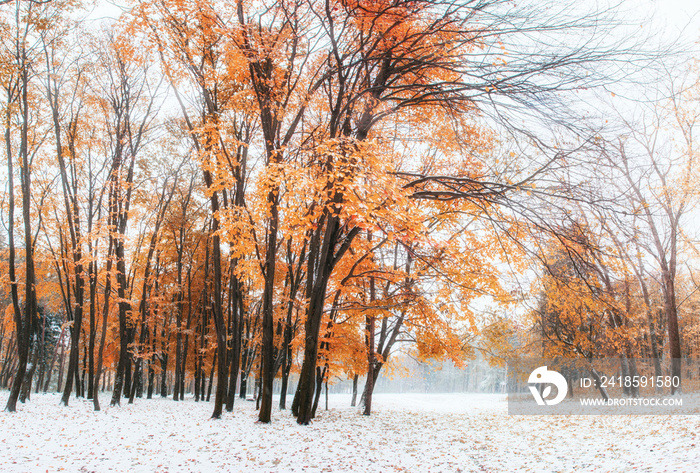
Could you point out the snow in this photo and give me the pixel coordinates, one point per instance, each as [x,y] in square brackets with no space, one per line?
[407,432]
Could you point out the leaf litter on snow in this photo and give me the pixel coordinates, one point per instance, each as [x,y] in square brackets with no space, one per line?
[407,432]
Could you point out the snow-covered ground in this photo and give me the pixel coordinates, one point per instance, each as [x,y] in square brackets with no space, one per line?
[407,432]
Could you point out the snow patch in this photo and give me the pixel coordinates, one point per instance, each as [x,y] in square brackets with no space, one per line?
[407,432]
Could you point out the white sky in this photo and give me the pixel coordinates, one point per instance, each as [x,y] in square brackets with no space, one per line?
[678,12]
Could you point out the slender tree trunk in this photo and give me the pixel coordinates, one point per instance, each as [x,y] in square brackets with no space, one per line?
[320,373]
[128,372]
[123,373]
[674,342]
[25,394]
[217,312]
[236,308]
[120,381]
[10,360]
[42,356]
[371,358]
[183,365]
[268,334]
[243,388]
[371,384]
[151,380]
[22,324]
[92,379]
[653,342]
[197,379]
[211,377]
[316,293]
[287,345]
[60,368]
[178,321]
[163,375]
[103,331]
[353,402]
[599,384]
[369,389]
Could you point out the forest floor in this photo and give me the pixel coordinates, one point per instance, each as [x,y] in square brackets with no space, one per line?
[406,432]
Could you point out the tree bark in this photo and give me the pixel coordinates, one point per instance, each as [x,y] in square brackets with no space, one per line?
[353,401]
[22,323]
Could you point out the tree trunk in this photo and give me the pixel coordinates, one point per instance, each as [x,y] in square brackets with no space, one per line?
[22,324]
[163,375]
[353,402]
[211,377]
[674,340]
[371,358]
[321,263]
[268,334]
[320,373]
[103,331]
[29,376]
[42,355]
[151,378]
[217,312]
[61,361]
[369,387]
[235,319]
[92,380]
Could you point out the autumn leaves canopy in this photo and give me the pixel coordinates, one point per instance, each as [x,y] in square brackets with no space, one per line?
[273,186]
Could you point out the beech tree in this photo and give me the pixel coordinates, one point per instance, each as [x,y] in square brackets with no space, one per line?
[67,126]
[364,178]
[660,181]
[128,105]
[20,51]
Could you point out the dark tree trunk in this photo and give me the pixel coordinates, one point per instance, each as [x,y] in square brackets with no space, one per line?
[235,316]
[23,321]
[25,394]
[674,341]
[60,369]
[624,367]
[633,373]
[322,260]
[243,389]
[371,382]
[10,361]
[653,341]
[320,373]
[599,384]
[268,334]
[163,375]
[151,378]
[92,380]
[178,320]
[196,380]
[122,377]
[371,356]
[103,330]
[127,367]
[211,378]
[258,387]
[217,313]
[42,356]
[369,388]
[353,402]
[294,278]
